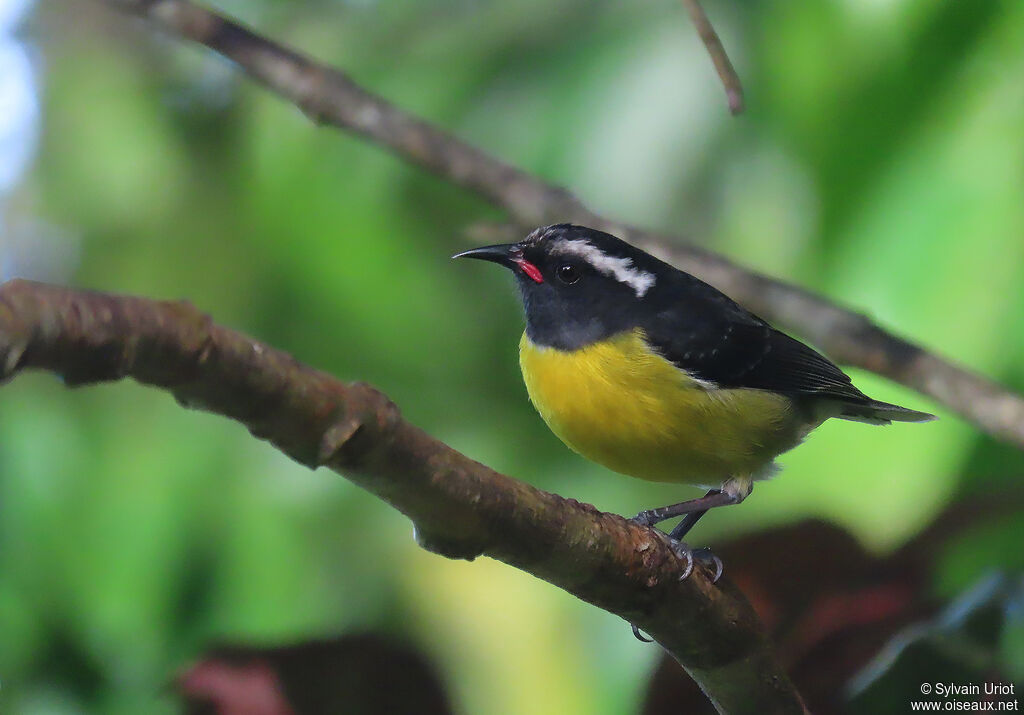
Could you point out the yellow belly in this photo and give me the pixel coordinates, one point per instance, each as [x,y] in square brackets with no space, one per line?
[623,406]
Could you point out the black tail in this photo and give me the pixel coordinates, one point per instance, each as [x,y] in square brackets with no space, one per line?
[881,413]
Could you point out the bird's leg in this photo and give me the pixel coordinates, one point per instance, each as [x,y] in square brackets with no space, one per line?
[687,522]
[733,491]
[694,509]
[705,554]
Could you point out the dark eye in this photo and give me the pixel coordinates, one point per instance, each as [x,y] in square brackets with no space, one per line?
[568,274]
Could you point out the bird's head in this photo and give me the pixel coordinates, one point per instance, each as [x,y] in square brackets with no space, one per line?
[578,285]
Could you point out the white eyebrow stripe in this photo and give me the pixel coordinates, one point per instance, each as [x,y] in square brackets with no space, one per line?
[621,269]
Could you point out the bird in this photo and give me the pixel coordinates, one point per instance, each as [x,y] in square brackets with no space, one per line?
[653,373]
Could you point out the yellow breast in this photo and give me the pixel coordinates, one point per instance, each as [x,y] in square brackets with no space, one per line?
[621,405]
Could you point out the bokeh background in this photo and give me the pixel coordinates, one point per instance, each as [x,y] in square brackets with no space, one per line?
[880,162]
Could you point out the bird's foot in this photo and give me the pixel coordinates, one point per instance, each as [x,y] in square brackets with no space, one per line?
[707,556]
[704,555]
[685,553]
[647,518]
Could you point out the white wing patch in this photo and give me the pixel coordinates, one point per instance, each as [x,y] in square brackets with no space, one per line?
[621,269]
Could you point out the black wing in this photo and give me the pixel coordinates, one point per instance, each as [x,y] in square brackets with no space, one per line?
[704,332]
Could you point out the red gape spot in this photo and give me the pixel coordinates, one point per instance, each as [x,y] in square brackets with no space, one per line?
[531,270]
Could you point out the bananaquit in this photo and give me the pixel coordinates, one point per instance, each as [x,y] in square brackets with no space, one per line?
[653,373]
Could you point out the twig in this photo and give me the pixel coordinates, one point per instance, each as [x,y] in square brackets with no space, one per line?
[726,73]
[329,96]
[460,509]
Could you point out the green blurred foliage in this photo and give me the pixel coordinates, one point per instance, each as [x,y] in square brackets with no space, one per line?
[881,162]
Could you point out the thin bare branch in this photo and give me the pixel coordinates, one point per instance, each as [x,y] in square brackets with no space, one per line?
[329,96]
[724,68]
[460,508]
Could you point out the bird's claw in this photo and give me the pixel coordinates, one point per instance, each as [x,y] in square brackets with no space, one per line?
[684,553]
[704,555]
[707,555]
[640,636]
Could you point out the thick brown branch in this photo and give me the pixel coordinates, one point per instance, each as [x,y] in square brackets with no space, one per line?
[329,96]
[460,508]
[724,68]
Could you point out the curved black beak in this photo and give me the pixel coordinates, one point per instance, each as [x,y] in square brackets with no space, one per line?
[500,254]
